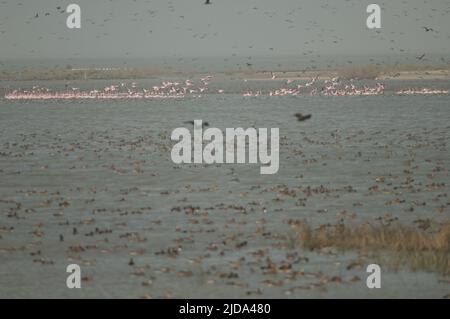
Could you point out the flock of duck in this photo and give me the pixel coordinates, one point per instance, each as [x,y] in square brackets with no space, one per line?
[189,88]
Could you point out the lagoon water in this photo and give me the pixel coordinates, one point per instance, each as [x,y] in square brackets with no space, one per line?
[92,183]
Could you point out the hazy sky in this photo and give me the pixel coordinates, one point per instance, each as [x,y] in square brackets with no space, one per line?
[147,28]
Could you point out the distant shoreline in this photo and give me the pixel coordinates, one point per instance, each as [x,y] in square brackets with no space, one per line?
[365,72]
[443,74]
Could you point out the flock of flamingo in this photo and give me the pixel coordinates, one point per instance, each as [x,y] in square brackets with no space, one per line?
[176,90]
[424,91]
[115,92]
[332,87]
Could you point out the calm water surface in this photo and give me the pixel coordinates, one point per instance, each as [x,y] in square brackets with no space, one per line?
[92,183]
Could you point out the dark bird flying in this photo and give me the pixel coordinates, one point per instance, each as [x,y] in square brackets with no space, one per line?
[302,117]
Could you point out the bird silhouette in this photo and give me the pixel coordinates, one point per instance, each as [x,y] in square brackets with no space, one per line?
[301,117]
[420,57]
[204,124]
[208,2]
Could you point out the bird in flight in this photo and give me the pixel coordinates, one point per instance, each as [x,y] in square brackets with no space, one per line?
[427,29]
[208,2]
[420,57]
[204,124]
[301,117]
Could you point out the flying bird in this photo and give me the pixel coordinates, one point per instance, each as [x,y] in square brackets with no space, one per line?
[208,2]
[420,57]
[427,29]
[204,124]
[301,117]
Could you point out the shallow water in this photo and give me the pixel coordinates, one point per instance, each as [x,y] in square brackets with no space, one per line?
[104,168]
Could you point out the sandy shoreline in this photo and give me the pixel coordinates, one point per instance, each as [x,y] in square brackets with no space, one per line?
[329,74]
[262,75]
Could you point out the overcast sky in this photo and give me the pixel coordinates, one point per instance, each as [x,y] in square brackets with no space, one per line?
[147,28]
